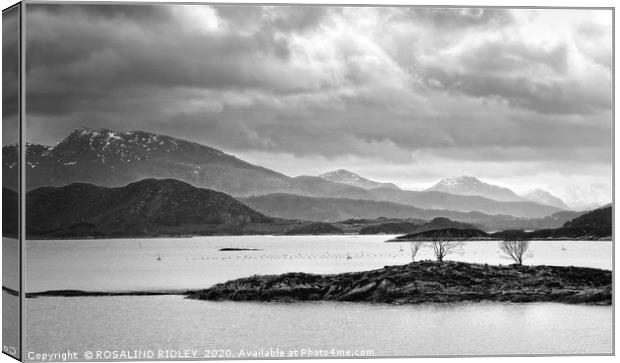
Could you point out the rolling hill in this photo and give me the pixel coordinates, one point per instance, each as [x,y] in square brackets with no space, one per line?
[146,208]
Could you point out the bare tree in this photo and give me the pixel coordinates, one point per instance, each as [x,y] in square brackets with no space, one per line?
[415,247]
[443,248]
[516,250]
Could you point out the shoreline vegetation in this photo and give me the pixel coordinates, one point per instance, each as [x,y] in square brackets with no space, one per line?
[413,283]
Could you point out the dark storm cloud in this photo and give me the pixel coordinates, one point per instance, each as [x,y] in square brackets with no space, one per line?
[526,76]
[78,57]
[369,82]
[561,97]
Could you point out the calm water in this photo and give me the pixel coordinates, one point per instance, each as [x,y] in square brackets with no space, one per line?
[196,262]
[171,322]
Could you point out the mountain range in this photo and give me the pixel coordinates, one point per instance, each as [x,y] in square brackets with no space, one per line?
[340,209]
[463,185]
[113,159]
[469,185]
[167,207]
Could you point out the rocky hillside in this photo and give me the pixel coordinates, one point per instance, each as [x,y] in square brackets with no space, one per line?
[147,208]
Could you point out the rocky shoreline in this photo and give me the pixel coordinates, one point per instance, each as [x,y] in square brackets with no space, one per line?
[425,282]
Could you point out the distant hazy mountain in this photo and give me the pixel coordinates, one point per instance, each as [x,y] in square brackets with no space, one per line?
[343,176]
[544,197]
[464,203]
[469,185]
[340,209]
[145,208]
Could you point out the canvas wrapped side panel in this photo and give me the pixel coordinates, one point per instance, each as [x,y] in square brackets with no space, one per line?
[12,151]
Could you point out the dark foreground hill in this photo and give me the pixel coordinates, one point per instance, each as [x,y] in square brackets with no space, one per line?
[147,208]
[425,281]
[593,225]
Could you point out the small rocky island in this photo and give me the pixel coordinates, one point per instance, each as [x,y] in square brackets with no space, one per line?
[424,282]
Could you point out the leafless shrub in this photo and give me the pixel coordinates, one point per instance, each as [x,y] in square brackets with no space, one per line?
[443,248]
[516,250]
[415,247]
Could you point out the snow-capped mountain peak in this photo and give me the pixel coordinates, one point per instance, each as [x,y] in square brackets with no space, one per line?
[343,176]
[103,145]
[469,185]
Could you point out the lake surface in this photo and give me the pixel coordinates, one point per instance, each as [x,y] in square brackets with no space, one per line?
[172,322]
[190,263]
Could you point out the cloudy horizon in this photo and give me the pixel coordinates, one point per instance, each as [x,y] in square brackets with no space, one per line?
[519,98]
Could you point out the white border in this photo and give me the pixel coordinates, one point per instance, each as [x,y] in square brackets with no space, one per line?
[505,3]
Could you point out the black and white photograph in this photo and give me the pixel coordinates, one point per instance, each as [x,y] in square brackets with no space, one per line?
[306,181]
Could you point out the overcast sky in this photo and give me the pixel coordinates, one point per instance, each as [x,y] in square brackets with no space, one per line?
[520,98]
